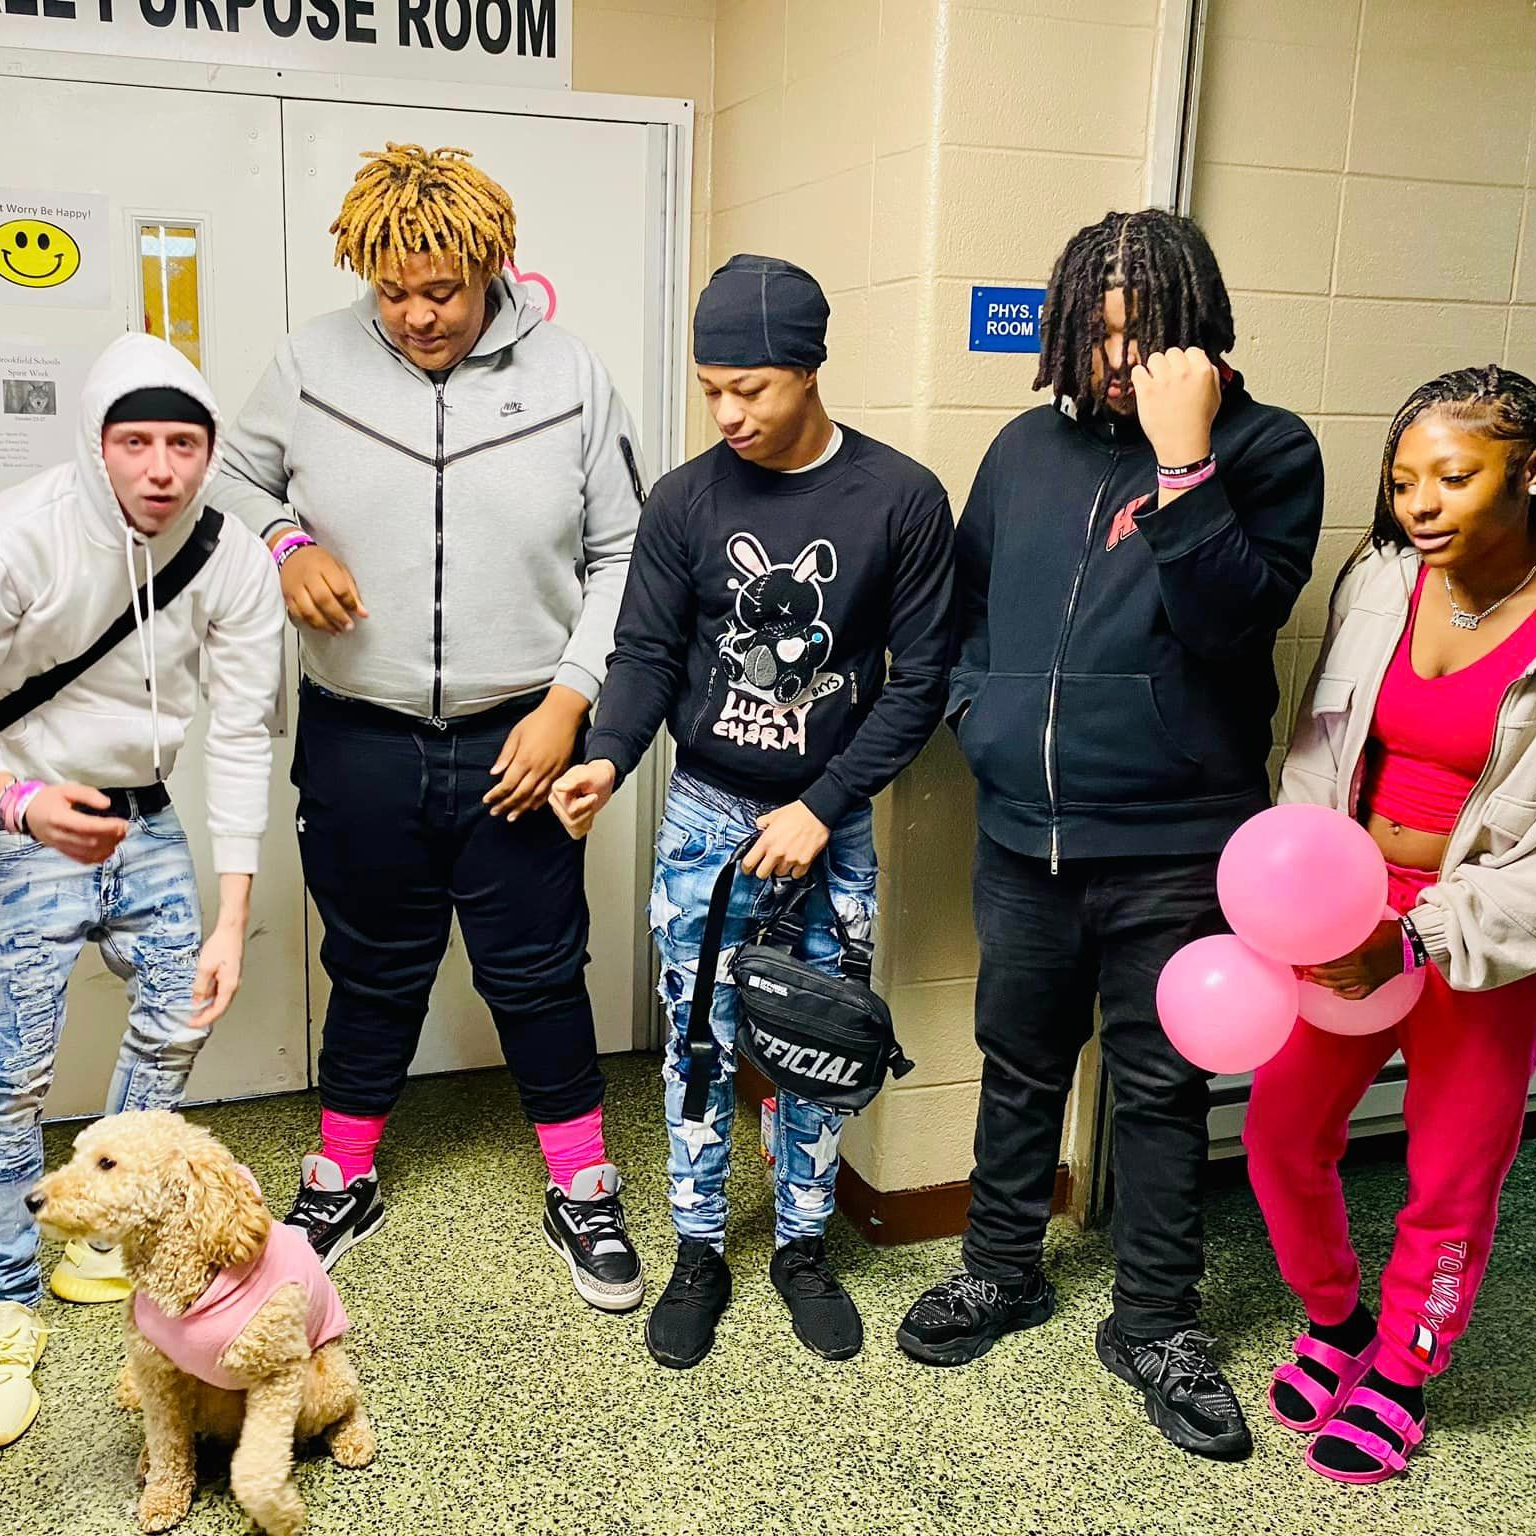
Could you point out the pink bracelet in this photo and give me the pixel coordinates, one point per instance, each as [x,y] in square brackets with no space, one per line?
[289,544]
[14,801]
[1187,480]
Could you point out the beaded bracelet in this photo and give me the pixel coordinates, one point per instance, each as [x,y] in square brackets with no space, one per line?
[290,545]
[1415,955]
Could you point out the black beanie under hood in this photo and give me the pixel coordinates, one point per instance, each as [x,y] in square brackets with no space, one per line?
[160,403]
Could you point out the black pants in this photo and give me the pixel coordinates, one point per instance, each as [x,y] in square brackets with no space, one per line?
[1049,944]
[394,841]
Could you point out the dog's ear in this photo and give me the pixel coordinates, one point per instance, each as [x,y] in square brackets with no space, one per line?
[224,1206]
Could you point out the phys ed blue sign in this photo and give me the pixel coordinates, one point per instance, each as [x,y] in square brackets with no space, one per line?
[1006,319]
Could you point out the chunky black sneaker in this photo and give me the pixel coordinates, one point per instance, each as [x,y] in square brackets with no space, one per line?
[586,1228]
[681,1328]
[964,1316]
[1187,1397]
[334,1216]
[825,1318]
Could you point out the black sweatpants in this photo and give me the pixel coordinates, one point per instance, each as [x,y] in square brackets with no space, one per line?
[1049,944]
[395,841]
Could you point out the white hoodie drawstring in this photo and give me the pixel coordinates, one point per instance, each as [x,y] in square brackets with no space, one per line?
[141,623]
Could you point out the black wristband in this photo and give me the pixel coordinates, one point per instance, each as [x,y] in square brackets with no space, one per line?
[1420,953]
[1188,469]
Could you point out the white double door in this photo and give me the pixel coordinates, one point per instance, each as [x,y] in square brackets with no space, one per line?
[258,179]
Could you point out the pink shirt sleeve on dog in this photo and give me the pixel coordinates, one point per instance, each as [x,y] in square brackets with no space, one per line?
[195,1341]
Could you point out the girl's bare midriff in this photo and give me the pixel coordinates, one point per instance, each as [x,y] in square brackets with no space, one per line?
[1406,846]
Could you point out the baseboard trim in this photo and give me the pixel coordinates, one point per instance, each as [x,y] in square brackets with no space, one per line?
[888,1217]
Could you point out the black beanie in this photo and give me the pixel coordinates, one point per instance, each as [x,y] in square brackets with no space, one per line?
[160,404]
[758,312]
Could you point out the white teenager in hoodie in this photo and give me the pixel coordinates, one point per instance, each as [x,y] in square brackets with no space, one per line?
[76,542]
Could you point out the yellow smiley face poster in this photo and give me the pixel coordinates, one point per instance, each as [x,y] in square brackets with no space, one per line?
[54,250]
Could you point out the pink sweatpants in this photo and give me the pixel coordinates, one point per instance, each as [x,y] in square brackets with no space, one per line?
[1469,1056]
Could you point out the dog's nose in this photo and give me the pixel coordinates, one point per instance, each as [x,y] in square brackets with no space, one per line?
[35,1202]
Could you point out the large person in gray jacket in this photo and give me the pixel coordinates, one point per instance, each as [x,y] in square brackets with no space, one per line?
[449,487]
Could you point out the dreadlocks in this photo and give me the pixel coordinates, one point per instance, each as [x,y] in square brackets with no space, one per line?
[406,200]
[1493,402]
[1174,296]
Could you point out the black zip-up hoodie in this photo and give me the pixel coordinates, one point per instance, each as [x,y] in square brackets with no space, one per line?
[756,620]
[1116,677]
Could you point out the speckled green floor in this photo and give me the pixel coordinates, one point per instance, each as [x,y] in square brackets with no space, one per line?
[504,1405]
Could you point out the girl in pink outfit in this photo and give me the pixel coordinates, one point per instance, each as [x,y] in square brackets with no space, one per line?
[1420,720]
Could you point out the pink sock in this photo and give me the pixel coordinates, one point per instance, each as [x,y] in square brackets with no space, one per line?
[349,1141]
[572,1145]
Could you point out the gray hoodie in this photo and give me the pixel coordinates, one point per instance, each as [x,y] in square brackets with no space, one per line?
[487,517]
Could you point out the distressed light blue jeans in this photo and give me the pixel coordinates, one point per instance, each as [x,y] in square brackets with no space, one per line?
[700,829]
[140,907]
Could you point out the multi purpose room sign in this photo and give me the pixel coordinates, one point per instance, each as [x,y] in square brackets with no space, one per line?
[499,42]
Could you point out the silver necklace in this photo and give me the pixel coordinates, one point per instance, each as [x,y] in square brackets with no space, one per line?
[1461,619]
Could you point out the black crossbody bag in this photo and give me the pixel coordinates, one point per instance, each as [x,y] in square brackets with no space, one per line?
[827,1039]
[174,579]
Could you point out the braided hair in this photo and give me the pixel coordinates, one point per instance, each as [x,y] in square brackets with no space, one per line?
[408,200]
[1175,297]
[1493,402]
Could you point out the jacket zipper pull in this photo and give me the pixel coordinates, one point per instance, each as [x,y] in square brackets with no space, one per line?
[1055,848]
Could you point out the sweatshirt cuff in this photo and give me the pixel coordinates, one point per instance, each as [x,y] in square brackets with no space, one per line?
[1429,921]
[236,855]
[607,746]
[569,675]
[828,801]
[1196,516]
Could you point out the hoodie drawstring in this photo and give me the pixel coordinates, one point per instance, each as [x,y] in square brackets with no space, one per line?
[142,623]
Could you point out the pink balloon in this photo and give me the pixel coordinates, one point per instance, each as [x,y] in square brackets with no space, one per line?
[1302,883]
[1225,1008]
[1389,1003]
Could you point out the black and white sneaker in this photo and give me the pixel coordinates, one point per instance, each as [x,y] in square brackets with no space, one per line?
[824,1316]
[586,1228]
[1186,1395]
[963,1317]
[334,1215]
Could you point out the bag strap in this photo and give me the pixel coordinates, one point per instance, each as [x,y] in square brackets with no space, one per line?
[785,927]
[174,579]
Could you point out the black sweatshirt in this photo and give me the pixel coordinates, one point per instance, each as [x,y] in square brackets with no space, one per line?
[756,620]
[1116,672]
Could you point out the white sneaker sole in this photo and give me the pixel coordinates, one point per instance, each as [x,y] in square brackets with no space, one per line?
[594,1293]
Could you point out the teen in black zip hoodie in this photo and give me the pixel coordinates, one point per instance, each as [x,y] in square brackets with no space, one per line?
[1113,698]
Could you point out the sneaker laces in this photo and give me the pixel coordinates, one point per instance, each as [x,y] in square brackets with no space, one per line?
[18,1348]
[1182,1360]
[686,1287]
[599,1221]
[963,1296]
[316,1209]
[809,1275]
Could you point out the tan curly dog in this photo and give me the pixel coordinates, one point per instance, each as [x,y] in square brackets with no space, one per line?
[184,1210]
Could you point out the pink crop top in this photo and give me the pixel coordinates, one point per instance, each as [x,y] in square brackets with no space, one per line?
[1431,736]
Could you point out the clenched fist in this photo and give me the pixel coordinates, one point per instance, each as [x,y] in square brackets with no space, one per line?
[1178,393]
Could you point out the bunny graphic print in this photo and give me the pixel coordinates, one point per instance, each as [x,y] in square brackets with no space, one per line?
[775,649]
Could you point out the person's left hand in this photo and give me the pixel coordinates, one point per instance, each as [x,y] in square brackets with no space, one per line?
[1359,973]
[538,749]
[1178,393]
[218,975]
[791,840]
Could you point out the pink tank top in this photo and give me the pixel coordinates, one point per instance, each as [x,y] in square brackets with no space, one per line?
[195,1340]
[1431,736]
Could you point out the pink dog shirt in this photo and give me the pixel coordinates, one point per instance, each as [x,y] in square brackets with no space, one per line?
[195,1341]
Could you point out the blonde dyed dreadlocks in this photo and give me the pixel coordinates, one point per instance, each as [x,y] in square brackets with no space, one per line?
[406,200]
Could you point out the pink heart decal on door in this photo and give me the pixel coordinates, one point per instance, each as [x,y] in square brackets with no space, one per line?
[537,279]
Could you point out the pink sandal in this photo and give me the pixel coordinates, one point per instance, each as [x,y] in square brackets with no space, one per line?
[1325,1404]
[1397,1418]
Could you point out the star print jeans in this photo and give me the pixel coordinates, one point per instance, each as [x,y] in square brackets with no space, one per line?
[700,829]
[140,907]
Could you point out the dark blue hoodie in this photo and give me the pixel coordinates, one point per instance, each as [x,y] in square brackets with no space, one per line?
[1116,682]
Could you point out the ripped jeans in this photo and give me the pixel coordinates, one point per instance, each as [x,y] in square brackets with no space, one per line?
[141,908]
[700,828]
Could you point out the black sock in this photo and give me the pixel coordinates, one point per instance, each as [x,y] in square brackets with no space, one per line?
[1352,1335]
[1342,1455]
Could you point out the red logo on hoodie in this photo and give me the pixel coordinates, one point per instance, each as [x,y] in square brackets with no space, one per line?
[1124,524]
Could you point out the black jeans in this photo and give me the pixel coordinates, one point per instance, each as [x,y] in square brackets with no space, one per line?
[395,841]
[1049,944]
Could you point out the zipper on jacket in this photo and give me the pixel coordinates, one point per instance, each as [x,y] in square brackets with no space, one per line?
[437,577]
[1052,706]
[709,695]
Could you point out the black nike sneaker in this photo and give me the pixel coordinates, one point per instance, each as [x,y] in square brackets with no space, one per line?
[586,1228]
[681,1328]
[334,1215]
[824,1316]
[1186,1395]
[963,1317]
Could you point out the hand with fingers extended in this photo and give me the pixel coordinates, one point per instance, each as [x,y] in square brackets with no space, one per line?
[538,749]
[54,818]
[320,592]
[581,793]
[791,840]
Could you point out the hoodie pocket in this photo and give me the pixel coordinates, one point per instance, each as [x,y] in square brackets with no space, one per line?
[1002,733]
[1113,745]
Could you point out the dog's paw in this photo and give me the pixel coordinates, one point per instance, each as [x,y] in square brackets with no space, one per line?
[125,1392]
[352,1443]
[163,1505]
